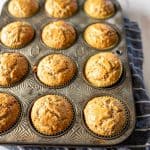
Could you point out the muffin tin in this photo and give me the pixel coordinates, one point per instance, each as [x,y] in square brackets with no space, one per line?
[78,91]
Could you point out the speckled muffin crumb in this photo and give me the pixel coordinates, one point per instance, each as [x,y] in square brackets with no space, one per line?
[23,8]
[51,114]
[99,9]
[9,111]
[61,8]
[105,116]
[58,35]
[17,34]
[101,36]
[103,69]
[13,68]
[56,70]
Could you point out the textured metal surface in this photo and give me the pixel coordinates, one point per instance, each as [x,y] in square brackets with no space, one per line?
[78,92]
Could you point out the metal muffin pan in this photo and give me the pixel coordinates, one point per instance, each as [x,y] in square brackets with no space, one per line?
[78,91]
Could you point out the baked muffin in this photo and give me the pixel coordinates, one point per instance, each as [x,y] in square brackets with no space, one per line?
[56,70]
[101,36]
[105,116]
[99,9]
[17,34]
[51,114]
[23,8]
[58,35]
[13,68]
[61,8]
[10,111]
[103,69]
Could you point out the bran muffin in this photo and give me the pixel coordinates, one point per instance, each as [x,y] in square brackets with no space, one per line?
[103,69]
[99,9]
[105,116]
[51,114]
[23,8]
[58,35]
[17,34]
[13,68]
[56,70]
[9,111]
[101,36]
[61,8]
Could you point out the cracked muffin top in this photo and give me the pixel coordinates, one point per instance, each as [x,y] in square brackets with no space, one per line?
[61,8]
[13,68]
[9,111]
[23,8]
[101,36]
[56,70]
[99,9]
[51,114]
[58,35]
[17,34]
[103,69]
[105,116]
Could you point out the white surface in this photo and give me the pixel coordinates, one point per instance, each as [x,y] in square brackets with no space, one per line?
[137,10]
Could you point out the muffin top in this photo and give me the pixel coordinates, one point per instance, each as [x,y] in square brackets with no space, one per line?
[51,114]
[103,69]
[99,9]
[56,70]
[58,35]
[17,34]
[13,67]
[101,36]
[23,8]
[61,8]
[105,116]
[10,111]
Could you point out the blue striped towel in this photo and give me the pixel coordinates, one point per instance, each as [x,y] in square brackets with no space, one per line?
[140,139]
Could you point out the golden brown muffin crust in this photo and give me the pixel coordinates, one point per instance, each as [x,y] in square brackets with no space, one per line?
[101,36]
[56,70]
[23,8]
[61,8]
[58,35]
[105,116]
[13,67]
[99,9]
[9,111]
[51,114]
[17,34]
[103,69]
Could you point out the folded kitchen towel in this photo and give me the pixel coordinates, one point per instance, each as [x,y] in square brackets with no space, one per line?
[140,139]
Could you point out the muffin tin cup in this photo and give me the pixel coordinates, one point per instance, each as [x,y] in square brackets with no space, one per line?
[13,126]
[54,87]
[103,18]
[59,49]
[21,46]
[58,134]
[30,16]
[112,85]
[23,78]
[114,136]
[107,48]
[64,18]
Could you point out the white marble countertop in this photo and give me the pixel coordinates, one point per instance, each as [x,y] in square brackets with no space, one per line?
[139,12]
